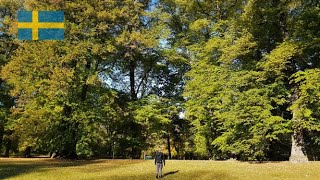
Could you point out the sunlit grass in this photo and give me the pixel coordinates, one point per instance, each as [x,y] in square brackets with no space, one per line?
[139,169]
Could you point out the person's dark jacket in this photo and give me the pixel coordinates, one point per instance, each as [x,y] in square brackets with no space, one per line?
[159,158]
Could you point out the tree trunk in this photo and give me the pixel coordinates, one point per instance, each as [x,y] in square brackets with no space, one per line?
[298,153]
[136,135]
[132,81]
[8,147]
[74,139]
[27,152]
[298,147]
[1,137]
[169,148]
[73,149]
[69,149]
[135,152]
[84,89]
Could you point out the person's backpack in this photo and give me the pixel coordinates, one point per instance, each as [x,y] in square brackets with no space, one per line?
[159,157]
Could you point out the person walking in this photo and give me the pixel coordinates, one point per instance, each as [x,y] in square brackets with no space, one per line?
[158,160]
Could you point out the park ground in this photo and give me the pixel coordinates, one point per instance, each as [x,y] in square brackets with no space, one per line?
[43,168]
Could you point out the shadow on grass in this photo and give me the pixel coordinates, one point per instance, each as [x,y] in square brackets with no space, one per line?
[262,162]
[11,167]
[170,173]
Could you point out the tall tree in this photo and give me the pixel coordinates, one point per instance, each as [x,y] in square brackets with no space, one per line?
[240,80]
[141,65]
[56,84]
[8,44]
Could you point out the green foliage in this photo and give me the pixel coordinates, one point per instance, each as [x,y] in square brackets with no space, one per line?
[153,114]
[117,84]
[239,81]
[306,107]
[159,118]
[8,45]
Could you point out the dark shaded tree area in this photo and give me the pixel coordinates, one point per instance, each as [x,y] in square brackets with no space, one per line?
[202,79]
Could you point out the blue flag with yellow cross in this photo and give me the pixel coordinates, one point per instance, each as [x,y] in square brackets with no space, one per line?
[40,25]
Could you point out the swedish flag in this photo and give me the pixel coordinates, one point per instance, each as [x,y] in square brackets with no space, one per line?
[40,25]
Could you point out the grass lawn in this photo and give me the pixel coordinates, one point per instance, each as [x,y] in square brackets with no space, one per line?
[15,168]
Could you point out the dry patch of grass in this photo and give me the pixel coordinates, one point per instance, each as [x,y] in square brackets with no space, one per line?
[14,168]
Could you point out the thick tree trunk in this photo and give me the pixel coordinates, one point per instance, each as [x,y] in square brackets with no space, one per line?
[298,153]
[298,147]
